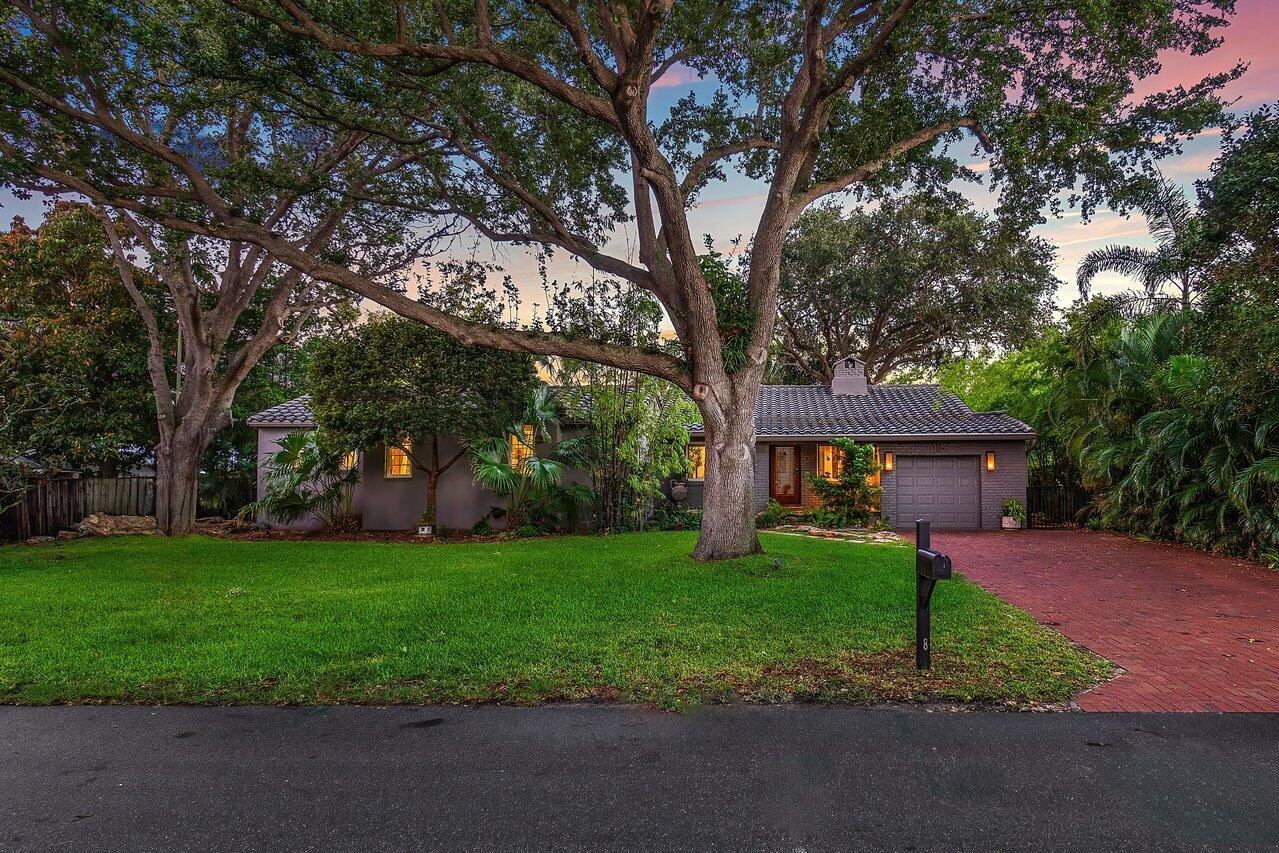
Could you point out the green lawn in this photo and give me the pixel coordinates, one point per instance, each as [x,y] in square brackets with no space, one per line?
[148,619]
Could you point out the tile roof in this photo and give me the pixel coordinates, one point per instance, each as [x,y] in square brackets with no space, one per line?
[886,410]
[295,413]
[803,410]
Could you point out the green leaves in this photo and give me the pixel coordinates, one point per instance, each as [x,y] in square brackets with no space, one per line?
[732,306]
[391,378]
[910,284]
[307,476]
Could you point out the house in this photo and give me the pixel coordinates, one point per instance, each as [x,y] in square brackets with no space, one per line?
[939,459]
[391,494]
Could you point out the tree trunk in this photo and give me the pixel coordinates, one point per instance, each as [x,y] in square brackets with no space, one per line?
[728,496]
[432,487]
[177,465]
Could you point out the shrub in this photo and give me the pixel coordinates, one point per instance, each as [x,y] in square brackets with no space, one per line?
[851,499]
[771,515]
[308,476]
[667,518]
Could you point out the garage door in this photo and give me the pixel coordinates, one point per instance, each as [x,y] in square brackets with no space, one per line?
[941,489]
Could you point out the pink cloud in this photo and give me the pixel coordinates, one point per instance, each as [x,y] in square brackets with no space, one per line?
[677,75]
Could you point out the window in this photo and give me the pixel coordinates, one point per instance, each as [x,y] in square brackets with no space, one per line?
[522,446]
[398,464]
[830,461]
[697,461]
[350,461]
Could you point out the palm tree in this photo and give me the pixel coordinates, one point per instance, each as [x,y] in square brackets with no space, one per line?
[1170,220]
[535,499]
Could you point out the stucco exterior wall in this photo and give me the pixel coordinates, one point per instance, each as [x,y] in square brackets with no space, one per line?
[398,503]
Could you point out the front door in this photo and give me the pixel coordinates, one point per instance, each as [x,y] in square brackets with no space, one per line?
[783,473]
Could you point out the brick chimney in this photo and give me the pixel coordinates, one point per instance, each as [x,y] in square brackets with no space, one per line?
[850,378]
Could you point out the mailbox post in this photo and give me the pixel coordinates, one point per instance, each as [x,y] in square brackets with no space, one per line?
[930,567]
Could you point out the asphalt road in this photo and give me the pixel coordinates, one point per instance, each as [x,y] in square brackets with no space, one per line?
[590,777]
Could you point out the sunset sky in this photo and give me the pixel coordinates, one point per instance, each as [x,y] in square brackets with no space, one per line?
[730,209]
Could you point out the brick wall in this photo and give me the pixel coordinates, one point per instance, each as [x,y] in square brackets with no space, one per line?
[1008,480]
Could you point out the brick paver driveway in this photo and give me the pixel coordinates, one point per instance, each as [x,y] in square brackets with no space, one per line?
[1193,632]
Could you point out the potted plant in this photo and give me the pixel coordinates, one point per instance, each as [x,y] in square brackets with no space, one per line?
[1014,514]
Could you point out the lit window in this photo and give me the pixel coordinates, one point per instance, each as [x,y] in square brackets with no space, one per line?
[398,464]
[350,461]
[697,461]
[830,461]
[522,446]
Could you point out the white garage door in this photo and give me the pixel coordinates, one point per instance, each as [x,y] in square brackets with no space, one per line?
[941,489]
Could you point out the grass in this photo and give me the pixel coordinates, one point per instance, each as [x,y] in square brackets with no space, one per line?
[629,617]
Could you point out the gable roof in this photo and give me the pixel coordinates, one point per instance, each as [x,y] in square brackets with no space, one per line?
[294,413]
[896,411]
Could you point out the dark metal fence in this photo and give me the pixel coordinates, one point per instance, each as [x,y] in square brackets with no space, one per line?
[1055,505]
[52,505]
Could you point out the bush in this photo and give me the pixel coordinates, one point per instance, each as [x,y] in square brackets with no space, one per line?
[772,515]
[667,518]
[851,499]
[308,476]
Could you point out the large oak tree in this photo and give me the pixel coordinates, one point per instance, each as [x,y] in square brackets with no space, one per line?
[533,122]
[910,284]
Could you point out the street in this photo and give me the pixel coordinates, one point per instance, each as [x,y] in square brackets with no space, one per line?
[606,777]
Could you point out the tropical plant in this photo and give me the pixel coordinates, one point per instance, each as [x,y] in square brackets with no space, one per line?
[529,478]
[1170,219]
[636,425]
[308,476]
[1014,509]
[852,498]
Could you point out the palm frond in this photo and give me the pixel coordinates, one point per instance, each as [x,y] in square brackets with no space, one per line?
[1124,260]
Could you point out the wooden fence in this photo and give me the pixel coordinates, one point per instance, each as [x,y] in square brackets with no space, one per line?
[52,505]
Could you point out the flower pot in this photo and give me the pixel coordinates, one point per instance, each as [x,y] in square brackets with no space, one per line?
[1011,523]
[679,491]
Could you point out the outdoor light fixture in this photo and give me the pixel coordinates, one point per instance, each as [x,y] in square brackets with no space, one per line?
[990,460]
[888,461]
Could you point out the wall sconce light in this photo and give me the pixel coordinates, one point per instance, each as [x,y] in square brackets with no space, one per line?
[889,459]
[990,460]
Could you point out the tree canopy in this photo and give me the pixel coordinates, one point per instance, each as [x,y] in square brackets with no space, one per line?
[910,284]
[531,122]
[73,352]
[391,382]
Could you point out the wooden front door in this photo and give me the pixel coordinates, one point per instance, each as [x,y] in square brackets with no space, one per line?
[783,473]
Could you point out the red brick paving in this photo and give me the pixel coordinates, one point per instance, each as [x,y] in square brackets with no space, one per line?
[1193,632]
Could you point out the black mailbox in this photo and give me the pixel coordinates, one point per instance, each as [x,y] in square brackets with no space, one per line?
[932,564]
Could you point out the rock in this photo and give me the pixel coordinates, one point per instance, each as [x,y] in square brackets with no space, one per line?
[69,534]
[100,524]
[36,540]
